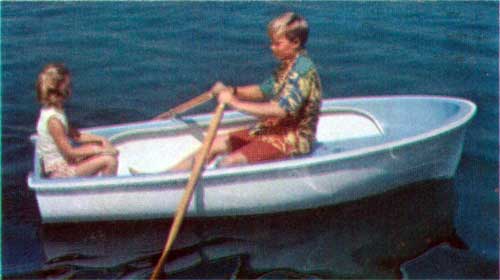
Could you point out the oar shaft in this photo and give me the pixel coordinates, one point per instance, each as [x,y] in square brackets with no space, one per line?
[198,100]
[189,189]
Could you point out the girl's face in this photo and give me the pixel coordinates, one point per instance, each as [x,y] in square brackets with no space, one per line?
[282,48]
[65,91]
[65,86]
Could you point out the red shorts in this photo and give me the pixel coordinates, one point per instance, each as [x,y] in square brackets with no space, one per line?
[252,148]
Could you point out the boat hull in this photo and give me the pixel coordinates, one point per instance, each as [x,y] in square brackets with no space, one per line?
[321,179]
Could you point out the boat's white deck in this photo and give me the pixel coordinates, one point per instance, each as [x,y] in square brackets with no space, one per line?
[160,153]
[155,154]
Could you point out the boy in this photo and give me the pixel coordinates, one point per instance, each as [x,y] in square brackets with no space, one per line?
[287,103]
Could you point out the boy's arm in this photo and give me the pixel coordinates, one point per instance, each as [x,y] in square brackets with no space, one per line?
[259,109]
[249,93]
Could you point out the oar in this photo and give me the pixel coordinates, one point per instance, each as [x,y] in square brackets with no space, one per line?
[189,189]
[198,100]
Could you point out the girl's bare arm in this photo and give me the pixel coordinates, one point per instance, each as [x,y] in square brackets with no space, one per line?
[91,138]
[56,130]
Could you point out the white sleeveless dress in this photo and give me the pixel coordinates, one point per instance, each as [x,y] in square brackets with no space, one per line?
[54,163]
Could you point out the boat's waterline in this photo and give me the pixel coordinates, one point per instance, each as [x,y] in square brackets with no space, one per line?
[353,160]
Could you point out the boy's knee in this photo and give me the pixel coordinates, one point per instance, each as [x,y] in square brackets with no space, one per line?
[233,159]
[220,144]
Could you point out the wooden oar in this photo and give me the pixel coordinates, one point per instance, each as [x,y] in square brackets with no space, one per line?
[198,100]
[200,160]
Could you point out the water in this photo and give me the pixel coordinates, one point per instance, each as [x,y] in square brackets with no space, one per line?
[132,61]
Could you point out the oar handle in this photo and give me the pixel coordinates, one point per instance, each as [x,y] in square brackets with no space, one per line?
[198,100]
[200,160]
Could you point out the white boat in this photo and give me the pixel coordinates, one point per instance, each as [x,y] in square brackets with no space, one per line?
[365,146]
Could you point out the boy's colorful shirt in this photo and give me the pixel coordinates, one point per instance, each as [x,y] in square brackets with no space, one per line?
[300,97]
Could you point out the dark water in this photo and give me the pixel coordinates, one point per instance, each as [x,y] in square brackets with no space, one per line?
[133,60]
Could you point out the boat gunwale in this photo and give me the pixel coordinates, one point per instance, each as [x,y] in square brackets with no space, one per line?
[467,109]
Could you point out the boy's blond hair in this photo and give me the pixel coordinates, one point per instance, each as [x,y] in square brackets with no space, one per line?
[48,83]
[292,25]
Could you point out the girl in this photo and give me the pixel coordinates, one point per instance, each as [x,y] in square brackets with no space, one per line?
[60,158]
[287,103]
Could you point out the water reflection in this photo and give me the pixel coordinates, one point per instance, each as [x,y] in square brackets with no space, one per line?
[366,238]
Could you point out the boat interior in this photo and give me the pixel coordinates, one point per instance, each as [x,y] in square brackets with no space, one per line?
[154,147]
[155,150]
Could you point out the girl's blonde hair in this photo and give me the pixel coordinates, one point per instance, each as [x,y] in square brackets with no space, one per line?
[49,82]
[292,25]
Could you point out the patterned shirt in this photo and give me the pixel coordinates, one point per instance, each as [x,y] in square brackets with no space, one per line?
[300,97]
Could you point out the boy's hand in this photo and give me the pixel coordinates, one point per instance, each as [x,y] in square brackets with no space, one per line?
[217,87]
[226,96]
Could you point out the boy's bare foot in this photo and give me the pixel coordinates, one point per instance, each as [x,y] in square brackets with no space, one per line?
[134,171]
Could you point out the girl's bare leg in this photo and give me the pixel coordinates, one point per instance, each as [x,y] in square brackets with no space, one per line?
[106,164]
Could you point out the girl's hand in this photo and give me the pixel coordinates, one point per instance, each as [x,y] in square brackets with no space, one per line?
[110,151]
[92,138]
[104,148]
[108,148]
[105,142]
[100,150]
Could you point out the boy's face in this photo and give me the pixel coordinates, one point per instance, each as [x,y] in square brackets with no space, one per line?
[282,48]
